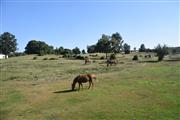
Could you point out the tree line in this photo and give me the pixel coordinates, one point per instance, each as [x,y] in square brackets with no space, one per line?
[106,44]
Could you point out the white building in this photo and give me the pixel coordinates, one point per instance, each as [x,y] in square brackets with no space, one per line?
[2,56]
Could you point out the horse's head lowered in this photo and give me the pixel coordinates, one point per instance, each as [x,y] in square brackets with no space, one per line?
[83,79]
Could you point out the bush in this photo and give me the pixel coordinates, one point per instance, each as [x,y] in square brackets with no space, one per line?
[161,51]
[34,58]
[135,57]
[102,57]
[79,57]
[45,58]
[52,58]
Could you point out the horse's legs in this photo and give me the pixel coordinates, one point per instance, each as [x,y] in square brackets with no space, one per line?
[81,85]
[92,84]
[89,84]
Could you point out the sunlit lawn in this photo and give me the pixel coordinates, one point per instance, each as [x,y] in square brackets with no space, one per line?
[38,90]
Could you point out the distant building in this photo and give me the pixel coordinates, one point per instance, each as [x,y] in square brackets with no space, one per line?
[2,56]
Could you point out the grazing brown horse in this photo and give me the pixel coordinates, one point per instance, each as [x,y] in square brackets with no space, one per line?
[87,60]
[110,62]
[83,79]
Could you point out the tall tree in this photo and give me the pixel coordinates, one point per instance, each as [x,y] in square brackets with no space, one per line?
[104,44]
[76,50]
[126,48]
[38,47]
[91,49]
[142,48]
[116,42]
[8,43]
[161,51]
[59,50]
[83,51]
[67,52]
[32,47]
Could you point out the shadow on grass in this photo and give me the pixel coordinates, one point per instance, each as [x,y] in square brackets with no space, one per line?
[65,91]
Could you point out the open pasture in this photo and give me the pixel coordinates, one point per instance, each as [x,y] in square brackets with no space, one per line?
[39,89]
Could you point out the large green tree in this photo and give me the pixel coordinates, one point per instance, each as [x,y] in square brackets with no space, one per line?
[116,42]
[59,50]
[107,44]
[161,51]
[8,43]
[142,48]
[83,51]
[38,47]
[126,48]
[91,49]
[104,44]
[76,50]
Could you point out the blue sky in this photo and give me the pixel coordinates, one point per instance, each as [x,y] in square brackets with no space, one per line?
[71,23]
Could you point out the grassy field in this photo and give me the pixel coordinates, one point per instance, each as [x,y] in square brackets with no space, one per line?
[132,90]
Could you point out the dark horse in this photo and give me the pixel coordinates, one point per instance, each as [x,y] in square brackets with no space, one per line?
[110,62]
[83,79]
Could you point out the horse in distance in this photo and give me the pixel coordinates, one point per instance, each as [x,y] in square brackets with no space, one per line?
[110,62]
[87,60]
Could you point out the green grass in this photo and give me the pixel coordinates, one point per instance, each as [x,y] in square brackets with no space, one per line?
[38,89]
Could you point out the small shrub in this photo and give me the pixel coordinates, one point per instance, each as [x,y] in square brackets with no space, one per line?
[52,58]
[135,57]
[79,57]
[45,59]
[102,57]
[34,58]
